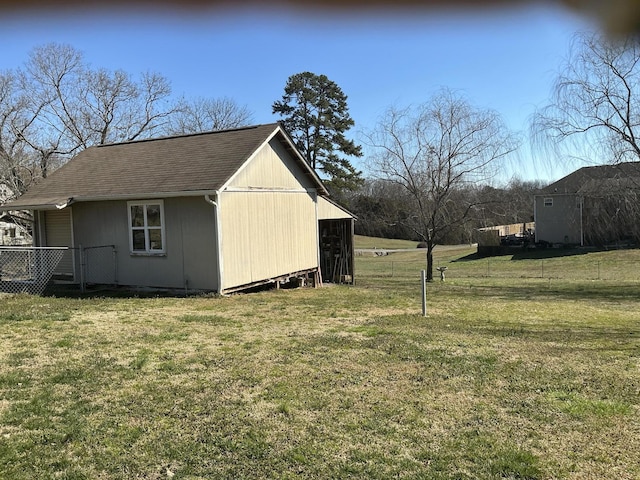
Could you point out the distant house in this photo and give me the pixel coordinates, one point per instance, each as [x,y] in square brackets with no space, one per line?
[12,227]
[219,211]
[13,232]
[591,206]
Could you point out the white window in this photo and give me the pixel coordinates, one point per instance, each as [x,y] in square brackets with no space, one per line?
[146,227]
[548,202]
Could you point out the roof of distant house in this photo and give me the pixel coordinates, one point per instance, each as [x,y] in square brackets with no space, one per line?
[185,165]
[599,178]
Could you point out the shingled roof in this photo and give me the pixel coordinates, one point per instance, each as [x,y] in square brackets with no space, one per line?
[601,176]
[182,165]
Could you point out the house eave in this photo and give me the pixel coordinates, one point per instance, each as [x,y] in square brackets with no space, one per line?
[143,196]
[65,202]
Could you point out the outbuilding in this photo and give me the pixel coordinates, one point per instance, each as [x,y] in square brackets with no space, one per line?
[219,211]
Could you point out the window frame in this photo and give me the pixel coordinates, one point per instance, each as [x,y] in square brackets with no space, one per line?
[548,201]
[148,251]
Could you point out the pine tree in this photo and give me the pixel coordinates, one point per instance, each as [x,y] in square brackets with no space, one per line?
[315,113]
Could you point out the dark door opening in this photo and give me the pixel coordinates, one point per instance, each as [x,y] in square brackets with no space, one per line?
[336,251]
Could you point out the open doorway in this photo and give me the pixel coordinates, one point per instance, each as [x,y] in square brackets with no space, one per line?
[336,251]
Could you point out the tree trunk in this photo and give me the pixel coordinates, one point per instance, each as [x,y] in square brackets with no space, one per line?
[430,247]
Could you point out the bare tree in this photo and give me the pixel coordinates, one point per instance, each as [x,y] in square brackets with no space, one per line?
[75,107]
[379,206]
[594,113]
[433,151]
[115,107]
[57,105]
[18,166]
[208,114]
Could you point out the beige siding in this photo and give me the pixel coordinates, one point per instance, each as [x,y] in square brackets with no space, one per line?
[271,168]
[329,211]
[267,234]
[190,260]
[58,233]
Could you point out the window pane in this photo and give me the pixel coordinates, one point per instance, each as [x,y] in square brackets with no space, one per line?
[153,215]
[155,239]
[137,216]
[138,240]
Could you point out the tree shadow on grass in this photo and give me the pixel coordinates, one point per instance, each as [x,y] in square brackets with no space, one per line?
[544,253]
[73,291]
[532,253]
[113,291]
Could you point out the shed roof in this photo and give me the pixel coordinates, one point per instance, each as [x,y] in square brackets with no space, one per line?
[181,165]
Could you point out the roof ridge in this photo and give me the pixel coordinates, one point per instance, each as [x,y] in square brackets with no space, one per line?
[187,135]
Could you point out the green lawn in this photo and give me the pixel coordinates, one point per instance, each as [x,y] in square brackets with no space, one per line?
[362,241]
[508,377]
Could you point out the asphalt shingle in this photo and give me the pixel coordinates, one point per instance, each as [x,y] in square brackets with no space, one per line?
[172,165]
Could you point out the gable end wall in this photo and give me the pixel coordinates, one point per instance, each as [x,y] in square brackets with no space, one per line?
[559,223]
[271,168]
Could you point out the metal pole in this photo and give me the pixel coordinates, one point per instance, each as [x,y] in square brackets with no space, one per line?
[82,268]
[115,264]
[423,277]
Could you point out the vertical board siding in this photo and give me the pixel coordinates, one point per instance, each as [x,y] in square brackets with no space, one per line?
[58,233]
[268,219]
[329,211]
[272,168]
[267,234]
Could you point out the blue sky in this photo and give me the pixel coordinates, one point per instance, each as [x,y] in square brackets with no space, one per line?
[500,58]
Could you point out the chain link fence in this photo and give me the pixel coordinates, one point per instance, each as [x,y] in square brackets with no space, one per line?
[28,269]
[561,268]
[31,269]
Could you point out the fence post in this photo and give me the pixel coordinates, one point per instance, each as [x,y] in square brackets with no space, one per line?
[83,265]
[423,278]
[115,264]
